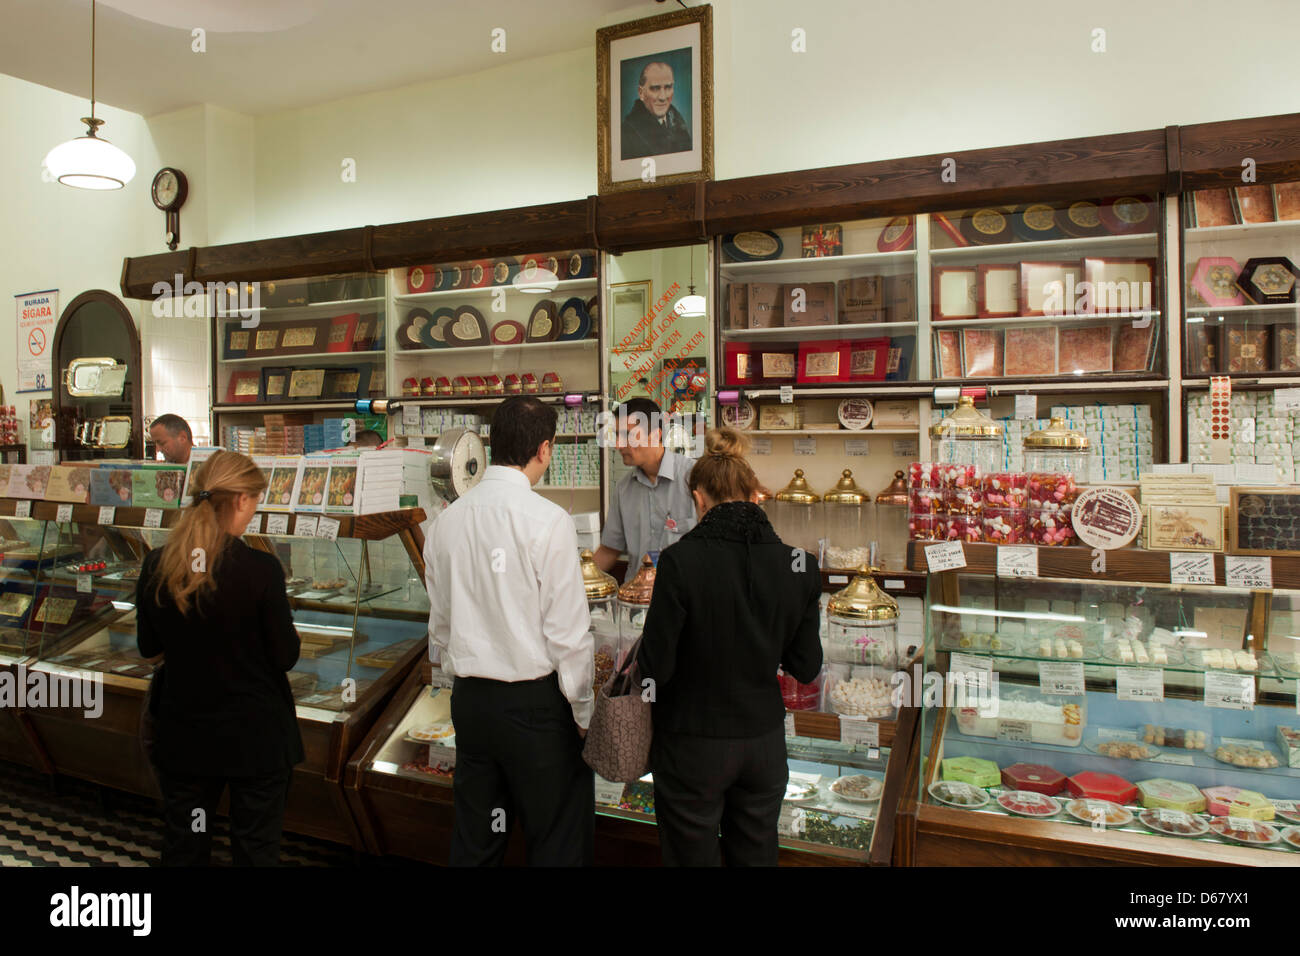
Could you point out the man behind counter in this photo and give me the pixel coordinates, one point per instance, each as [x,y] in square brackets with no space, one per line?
[172,436]
[651,506]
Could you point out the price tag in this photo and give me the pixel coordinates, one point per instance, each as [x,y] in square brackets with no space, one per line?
[946,556]
[1178,760]
[1017,562]
[1015,731]
[411,415]
[1188,567]
[805,446]
[893,584]
[1139,683]
[791,821]
[83,584]
[442,754]
[1241,571]
[1065,680]
[906,448]
[959,663]
[1229,691]
[608,793]
[787,394]
[762,446]
[1286,400]
[1169,816]
[858,730]
[1286,806]
[1026,406]
[1111,733]
[22,509]
[153,517]
[327,528]
[277,524]
[64,514]
[305,526]
[789,725]
[254,526]
[1242,823]
[857,447]
[971,675]
[106,514]
[839,579]
[43,457]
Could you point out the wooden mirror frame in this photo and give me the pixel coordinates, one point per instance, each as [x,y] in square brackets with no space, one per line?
[64,441]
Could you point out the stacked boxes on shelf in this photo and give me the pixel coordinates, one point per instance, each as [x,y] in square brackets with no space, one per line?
[574,463]
[1260,434]
[576,421]
[434,421]
[394,478]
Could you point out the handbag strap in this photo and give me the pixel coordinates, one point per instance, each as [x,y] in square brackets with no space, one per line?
[627,671]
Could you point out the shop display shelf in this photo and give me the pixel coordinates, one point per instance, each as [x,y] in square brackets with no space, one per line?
[1051,249]
[561,287]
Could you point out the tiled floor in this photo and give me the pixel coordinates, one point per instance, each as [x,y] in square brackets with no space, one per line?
[80,824]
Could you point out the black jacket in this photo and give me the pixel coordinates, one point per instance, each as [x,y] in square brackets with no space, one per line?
[731,602]
[226,709]
[644,135]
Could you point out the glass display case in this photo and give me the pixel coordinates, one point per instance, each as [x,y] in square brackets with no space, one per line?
[1131,722]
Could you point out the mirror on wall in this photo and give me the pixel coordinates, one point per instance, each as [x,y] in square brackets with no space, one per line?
[97,395]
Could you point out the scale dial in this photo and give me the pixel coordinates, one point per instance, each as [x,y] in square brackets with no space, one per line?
[459,461]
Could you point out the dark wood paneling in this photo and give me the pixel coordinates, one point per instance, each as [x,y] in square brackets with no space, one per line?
[658,216]
[551,227]
[1060,169]
[1211,153]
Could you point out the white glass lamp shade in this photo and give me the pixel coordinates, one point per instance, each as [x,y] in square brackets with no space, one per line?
[691,306]
[536,281]
[89,162]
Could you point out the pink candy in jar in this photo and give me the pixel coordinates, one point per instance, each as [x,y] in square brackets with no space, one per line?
[961,528]
[963,501]
[957,477]
[1004,525]
[923,527]
[1049,490]
[1004,489]
[1051,527]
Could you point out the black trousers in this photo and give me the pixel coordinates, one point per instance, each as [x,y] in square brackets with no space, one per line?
[256,817]
[519,762]
[718,798]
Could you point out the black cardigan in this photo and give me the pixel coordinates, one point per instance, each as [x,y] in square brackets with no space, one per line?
[226,709]
[731,602]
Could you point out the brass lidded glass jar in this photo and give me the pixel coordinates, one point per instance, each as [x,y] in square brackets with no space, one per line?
[862,623]
[891,525]
[630,608]
[968,437]
[601,589]
[849,516]
[1059,448]
[796,515]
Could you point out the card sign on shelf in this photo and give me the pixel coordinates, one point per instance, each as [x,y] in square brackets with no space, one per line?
[1026,407]
[857,447]
[411,415]
[1114,733]
[1229,691]
[787,394]
[1189,567]
[762,446]
[859,730]
[945,556]
[789,727]
[305,526]
[64,514]
[1142,684]
[1065,680]
[1177,759]
[327,528]
[153,517]
[805,446]
[106,514]
[442,755]
[906,447]
[22,509]
[1017,562]
[838,579]
[608,793]
[255,525]
[1286,400]
[277,524]
[83,584]
[1015,731]
[1243,571]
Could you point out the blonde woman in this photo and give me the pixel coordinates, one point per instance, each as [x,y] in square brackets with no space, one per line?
[216,611]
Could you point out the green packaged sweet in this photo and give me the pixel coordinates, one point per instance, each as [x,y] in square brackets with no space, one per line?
[1161,794]
[972,770]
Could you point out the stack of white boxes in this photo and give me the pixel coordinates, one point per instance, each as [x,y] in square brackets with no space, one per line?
[573,464]
[1120,437]
[434,421]
[1260,434]
[577,421]
[388,475]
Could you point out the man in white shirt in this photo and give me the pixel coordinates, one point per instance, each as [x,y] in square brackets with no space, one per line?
[508,615]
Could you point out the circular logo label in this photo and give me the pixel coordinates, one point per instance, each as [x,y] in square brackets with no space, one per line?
[1106,518]
[500,272]
[1130,209]
[1039,217]
[990,222]
[1085,214]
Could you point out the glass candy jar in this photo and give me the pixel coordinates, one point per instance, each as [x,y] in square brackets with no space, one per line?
[849,516]
[1058,448]
[797,519]
[630,609]
[968,437]
[862,623]
[601,589]
[891,525]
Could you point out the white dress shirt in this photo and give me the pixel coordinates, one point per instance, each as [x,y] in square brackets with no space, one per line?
[505,589]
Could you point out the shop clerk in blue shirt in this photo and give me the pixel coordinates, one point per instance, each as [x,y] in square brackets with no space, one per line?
[651,507]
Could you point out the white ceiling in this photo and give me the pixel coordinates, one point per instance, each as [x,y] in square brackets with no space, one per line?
[269,55]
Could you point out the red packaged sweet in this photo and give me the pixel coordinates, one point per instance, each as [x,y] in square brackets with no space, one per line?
[1004,525]
[426,386]
[1033,776]
[477,385]
[512,384]
[1004,489]
[410,388]
[923,527]
[1051,490]
[799,696]
[1052,528]
[1102,786]
[529,382]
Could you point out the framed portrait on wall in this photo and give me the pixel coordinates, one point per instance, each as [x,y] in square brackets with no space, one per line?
[654,100]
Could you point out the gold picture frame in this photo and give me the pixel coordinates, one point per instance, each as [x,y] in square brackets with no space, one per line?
[629,303]
[637,118]
[306,383]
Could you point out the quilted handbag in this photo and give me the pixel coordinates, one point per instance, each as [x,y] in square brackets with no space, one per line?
[618,740]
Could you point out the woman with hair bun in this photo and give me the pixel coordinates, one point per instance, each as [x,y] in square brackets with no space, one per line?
[731,604]
[216,611]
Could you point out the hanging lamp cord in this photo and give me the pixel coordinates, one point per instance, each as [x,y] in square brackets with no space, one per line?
[92,59]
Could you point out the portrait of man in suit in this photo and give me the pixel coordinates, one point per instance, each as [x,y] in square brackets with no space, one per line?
[654,126]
